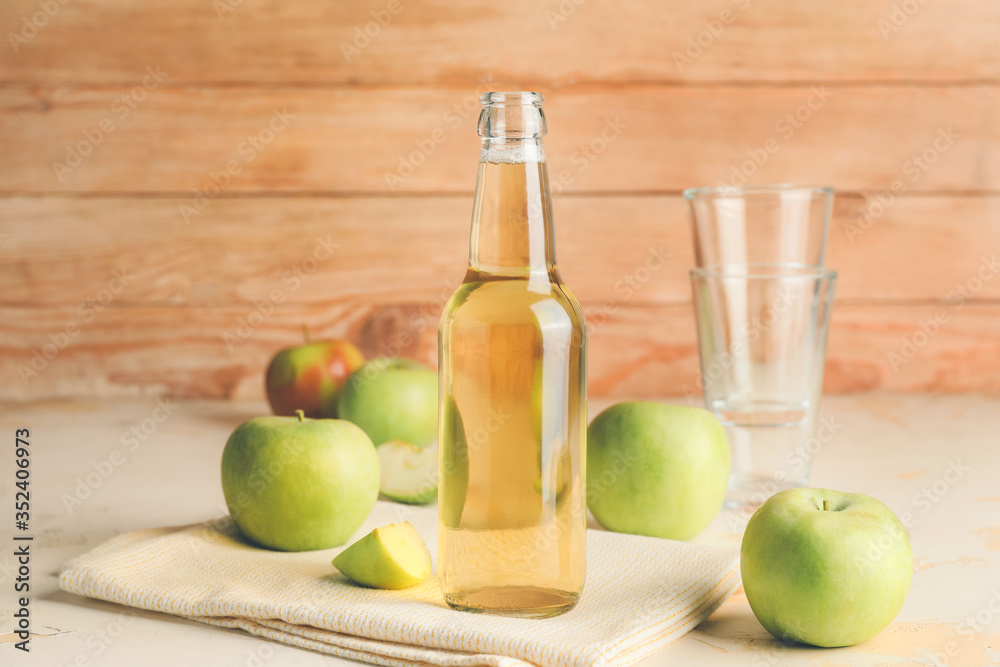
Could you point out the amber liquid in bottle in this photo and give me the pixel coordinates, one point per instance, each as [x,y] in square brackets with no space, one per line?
[513,416]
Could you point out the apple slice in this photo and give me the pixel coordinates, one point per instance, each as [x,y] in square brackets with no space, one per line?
[392,557]
[409,474]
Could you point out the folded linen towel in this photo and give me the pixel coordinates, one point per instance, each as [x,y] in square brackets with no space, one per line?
[641,594]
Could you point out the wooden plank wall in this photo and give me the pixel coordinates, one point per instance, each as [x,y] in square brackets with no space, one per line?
[184,182]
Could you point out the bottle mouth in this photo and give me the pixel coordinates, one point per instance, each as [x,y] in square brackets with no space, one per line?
[512,98]
[512,116]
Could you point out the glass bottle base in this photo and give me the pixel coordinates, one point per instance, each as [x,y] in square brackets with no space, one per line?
[518,601]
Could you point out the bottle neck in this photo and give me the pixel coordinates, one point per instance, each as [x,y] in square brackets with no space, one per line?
[512,232]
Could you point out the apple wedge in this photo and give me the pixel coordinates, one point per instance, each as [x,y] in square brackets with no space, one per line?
[408,474]
[391,557]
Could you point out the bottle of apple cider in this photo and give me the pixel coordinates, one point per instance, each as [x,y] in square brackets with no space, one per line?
[513,382]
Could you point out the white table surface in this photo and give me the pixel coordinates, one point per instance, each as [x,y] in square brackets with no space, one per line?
[896,448]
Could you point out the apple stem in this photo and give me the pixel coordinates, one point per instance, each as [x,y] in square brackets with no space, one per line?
[305,333]
[826,503]
[302,416]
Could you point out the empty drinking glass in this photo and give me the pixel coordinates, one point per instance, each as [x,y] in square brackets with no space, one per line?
[762,300]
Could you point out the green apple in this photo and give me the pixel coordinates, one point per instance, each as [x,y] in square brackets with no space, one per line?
[297,484]
[310,377]
[392,556]
[825,568]
[393,399]
[409,474]
[655,469]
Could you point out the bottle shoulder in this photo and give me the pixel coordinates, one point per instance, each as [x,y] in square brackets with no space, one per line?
[516,300]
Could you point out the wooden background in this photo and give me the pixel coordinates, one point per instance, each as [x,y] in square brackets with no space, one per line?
[114,115]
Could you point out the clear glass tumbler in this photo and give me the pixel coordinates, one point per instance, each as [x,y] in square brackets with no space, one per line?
[767,224]
[762,332]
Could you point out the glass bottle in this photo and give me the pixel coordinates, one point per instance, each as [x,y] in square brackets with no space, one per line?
[513,408]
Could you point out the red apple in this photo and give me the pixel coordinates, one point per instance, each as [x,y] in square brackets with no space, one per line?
[310,377]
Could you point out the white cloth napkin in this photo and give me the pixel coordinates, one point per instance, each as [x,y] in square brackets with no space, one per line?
[641,594]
